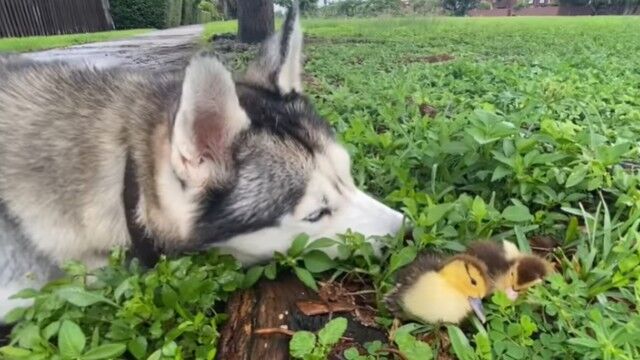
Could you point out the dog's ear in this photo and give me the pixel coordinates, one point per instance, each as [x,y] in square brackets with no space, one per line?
[208,119]
[279,64]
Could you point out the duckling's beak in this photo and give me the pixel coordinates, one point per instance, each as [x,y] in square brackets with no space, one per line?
[511,294]
[476,305]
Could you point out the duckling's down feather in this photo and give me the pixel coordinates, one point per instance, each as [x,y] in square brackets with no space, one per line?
[493,254]
[407,276]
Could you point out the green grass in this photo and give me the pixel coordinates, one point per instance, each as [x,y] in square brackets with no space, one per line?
[218,27]
[34,43]
[529,120]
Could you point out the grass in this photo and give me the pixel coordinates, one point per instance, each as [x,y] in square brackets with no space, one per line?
[34,43]
[218,27]
[509,128]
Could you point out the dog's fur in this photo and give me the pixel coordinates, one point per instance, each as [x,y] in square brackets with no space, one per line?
[244,165]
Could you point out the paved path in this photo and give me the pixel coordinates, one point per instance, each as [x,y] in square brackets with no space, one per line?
[171,47]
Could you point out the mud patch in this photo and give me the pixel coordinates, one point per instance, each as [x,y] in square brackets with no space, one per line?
[311,39]
[427,110]
[429,59]
[311,83]
[231,52]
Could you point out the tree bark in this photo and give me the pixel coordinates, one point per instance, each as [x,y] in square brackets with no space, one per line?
[271,306]
[255,20]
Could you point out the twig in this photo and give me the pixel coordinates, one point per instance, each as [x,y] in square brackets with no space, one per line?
[311,308]
[541,248]
[361,292]
[393,351]
[271,331]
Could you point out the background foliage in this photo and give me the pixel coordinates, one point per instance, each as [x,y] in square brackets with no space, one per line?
[517,129]
[160,14]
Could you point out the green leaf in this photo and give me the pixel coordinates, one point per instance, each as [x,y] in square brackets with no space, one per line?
[321,244]
[344,252]
[29,336]
[305,276]
[81,297]
[14,315]
[523,243]
[301,344]
[483,346]
[71,340]
[138,347]
[270,271]
[25,294]
[51,330]
[585,342]
[318,261]
[170,349]
[125,286]
[481,137]
[500,172]
[460,343]
[412,348]
[156,355]
[14,352]
[95,338]
[576,177]
[252,276]
[403,257]
[351,354]
[107,351]
[331,333]
[517,213]
[478,209]
[298,244]
[435,213]
[169,296]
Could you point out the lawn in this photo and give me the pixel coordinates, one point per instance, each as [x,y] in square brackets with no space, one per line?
[525,129]
[34,43]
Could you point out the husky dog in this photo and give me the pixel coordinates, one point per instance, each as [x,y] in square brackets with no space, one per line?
[244,165]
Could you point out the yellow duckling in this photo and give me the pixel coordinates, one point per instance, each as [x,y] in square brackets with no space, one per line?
[432,290]
[511,271]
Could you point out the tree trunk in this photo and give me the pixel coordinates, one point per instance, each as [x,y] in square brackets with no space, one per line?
[255,20]
[272,307]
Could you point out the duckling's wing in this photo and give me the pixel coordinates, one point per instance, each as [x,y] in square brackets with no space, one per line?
[407,276]
[424,262]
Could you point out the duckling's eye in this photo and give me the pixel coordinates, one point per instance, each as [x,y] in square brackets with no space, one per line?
[473,282]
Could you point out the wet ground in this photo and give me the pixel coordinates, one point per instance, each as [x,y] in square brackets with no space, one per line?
[156,49]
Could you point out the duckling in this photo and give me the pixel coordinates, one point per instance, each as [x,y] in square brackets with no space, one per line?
[433,290]
[510,270]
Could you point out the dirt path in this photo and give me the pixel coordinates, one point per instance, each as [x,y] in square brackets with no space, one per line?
[162,48]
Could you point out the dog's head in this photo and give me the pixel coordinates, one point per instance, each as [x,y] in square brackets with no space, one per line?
[258,160]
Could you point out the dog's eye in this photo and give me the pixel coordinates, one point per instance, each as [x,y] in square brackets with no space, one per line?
[317,215]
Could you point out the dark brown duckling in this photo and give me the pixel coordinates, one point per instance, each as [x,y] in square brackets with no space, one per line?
[510,270]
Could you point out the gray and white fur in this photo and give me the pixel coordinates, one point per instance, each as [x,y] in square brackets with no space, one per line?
[244,165]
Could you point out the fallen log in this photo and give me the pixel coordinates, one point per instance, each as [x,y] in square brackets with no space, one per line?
[263,319]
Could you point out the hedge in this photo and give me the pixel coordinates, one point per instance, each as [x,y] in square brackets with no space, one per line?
[189,11]
[159,14]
